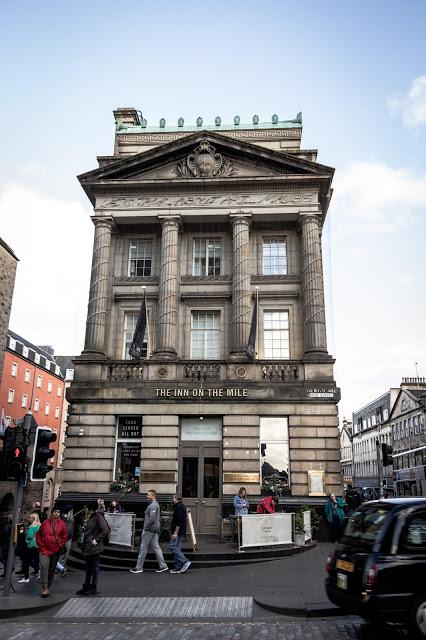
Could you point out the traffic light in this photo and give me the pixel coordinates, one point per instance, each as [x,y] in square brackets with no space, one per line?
[13,459]
[387,451]
[42,452]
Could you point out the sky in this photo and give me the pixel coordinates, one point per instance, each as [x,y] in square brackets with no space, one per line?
[357,71]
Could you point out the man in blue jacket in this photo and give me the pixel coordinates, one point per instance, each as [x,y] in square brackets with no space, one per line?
[178,530]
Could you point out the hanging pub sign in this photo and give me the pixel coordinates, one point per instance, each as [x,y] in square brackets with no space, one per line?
[129,427]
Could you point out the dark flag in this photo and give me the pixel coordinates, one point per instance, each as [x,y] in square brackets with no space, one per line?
[135,350]
[251,347]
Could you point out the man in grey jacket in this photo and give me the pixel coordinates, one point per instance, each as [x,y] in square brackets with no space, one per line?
[150,534]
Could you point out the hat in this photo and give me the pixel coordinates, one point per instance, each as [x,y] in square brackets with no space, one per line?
[67,509]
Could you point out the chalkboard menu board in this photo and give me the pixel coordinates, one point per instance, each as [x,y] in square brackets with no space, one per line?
[129,427]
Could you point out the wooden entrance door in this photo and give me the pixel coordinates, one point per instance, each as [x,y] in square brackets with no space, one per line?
[200,482]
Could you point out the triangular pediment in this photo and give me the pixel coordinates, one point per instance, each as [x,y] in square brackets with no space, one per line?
[404,403]
[204,156]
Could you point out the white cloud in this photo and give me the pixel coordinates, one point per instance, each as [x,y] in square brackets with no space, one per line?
[411,107]
[53,241]
[377,197]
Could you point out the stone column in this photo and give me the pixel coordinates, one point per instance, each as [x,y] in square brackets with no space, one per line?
[167,316]
[98,294]
[241,294]
[313,286]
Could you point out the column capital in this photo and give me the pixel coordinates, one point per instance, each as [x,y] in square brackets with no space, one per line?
[173,218]
[309,217]
[241,217]
[106,221]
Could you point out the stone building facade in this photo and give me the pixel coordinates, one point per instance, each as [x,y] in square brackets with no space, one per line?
[8,264]
[213,222]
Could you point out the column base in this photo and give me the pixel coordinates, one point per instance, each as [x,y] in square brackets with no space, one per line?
[164,355]
[92,355]
[317,355]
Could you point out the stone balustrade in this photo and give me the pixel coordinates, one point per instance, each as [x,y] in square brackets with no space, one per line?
[201,371]
[280,372]
[125,372]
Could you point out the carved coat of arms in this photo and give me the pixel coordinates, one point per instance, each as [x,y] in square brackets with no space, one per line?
[205,162]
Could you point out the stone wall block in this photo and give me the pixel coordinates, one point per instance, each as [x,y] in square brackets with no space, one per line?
[241,432]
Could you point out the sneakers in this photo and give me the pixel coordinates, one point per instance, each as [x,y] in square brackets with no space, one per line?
[136,570]
[161,570]
[176,571]
[22,580]
[185,567]
[83,592]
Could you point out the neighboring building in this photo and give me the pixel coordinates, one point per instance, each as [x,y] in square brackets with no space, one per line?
[370,425]
[31,380]
[346,457]
[204,217]
[407,420]
[8,264]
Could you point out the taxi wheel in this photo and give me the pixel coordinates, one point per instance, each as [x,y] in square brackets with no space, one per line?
[418,617]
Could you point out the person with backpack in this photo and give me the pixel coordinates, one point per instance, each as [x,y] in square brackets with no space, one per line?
[96,535]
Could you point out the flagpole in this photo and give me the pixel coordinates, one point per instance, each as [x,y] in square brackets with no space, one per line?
[148,353]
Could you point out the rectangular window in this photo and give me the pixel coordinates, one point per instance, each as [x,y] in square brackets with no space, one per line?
[274,256]
[206,257]
[14,369]
[39,381]
[57,412]
[128,452]
[274,455]
[36,404]
[205,335]
[47,409]
[10,396]
[49,386]
[24,400]
[140,258]
[276,334]
[59,391]
[130,321]
[27,376]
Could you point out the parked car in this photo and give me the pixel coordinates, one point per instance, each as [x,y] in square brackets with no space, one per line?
[378,571]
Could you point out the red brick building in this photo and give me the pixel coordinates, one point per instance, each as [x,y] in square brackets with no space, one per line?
[32,380]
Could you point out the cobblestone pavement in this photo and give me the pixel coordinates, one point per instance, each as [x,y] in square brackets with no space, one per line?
[289,629]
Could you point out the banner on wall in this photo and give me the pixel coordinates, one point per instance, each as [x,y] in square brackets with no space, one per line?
[266,530]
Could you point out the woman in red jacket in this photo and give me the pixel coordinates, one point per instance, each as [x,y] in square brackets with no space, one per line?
[268,505]
[51,538]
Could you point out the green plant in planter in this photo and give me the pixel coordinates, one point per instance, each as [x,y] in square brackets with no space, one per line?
[299,525]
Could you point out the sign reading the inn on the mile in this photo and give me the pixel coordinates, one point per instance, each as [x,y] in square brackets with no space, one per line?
[201,393]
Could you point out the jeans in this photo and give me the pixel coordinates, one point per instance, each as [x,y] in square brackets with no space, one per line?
[30,559]
[64,557]
[92,572]
[179,558]
[47,568]
[150,540]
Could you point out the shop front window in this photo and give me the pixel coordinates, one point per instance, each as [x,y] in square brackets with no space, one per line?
[274,456]
[128,449]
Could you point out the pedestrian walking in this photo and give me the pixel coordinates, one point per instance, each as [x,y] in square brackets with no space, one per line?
[178,530]
[335,514]
[352,498]
[150,534]
[51,539]
[95,535]
[30,557]
[68,518]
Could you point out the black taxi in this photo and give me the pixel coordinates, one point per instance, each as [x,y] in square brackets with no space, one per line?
[379,569]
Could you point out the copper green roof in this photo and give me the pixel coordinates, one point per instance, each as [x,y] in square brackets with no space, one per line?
[296,123]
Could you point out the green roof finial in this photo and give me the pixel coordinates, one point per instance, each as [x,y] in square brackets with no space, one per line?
[237,120]
[180,122]
[199,121]
[275,119]
[299,117]
[144,123]
[162,123]
[217,121]
[255,119]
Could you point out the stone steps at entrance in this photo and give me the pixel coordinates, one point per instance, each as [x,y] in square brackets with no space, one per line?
[211,554]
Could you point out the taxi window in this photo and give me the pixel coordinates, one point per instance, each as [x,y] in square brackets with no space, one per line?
[365,524]
[415,533]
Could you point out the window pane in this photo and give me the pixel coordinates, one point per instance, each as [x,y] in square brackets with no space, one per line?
[189,477]
[206,256]
[128,459]
[274,467]
[274,429]
[140,258]
[274,256]
[276,334]
[211,477]
[205,335]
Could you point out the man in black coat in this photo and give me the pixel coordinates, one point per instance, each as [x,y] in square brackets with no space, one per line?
[178,530]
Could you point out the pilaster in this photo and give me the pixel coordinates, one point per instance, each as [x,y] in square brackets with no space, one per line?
[241,294]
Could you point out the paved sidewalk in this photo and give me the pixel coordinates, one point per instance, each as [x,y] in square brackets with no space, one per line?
[292,585]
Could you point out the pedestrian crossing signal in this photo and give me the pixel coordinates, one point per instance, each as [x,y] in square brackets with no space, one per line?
[42,453]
